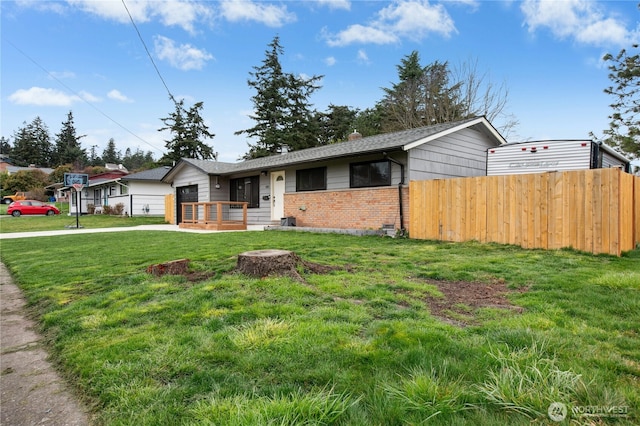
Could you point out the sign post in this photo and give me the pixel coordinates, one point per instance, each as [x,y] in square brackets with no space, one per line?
[78,187]
[77,181]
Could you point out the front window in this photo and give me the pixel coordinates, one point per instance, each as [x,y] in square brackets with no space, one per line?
[311,179]
[373,173]
[246,189]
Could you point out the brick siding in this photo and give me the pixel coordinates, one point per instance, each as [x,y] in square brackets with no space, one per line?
[366,208]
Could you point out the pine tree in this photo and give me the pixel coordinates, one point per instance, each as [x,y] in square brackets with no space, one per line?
[68,149]
[336,124]
[32,145]
[188,129]
[282,110]
[111,154]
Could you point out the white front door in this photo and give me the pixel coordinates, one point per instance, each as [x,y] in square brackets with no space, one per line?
[277,195]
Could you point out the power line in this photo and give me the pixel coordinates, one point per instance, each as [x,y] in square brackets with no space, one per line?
[148,53]
[79,96]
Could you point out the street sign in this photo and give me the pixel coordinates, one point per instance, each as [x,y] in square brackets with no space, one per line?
[76,178]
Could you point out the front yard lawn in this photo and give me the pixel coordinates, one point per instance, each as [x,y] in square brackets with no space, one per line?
[396,332]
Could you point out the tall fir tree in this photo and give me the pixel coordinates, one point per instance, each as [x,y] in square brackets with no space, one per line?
[423,96]
[110,154]
[32,145]
[189,132]
[283,114]
[68,149]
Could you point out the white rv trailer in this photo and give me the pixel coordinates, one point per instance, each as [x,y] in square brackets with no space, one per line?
[552,156]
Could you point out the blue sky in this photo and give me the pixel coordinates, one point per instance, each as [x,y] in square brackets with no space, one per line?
[85,56]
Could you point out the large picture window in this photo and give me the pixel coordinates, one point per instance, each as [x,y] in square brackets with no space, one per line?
[311,179]
[372,173]
[246,189]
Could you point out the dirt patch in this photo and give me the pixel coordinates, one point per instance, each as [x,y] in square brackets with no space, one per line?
[462,299]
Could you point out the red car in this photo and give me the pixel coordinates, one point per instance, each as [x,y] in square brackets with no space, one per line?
[21,207]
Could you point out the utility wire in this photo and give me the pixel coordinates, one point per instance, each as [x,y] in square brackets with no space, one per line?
[148,53]
[79,96]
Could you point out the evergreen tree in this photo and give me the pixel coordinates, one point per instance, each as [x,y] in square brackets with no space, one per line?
[282,111]
[68,148]
[111,154]
[188,129]
[437,94]
[336,124]
[423,96]
[32,145]
[5,147]
[138,160]
[94,158]
[624,125]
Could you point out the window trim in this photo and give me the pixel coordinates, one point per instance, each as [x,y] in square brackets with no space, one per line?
[322,169]
[369,184]
[253,201]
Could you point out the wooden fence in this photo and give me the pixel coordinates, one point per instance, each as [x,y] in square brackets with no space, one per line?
[169,211]
[596,211]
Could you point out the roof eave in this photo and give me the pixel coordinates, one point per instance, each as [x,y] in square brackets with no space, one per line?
[480,120]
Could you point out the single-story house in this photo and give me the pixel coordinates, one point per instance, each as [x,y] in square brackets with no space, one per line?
[362,183]
[146,192]
[140,193]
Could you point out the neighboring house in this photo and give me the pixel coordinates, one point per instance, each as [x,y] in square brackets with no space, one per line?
[552,156]
[359,184]
[140,193]
[11,169]
[101,188]
[146,192]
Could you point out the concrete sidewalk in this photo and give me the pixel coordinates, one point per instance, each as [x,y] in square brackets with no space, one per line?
[70,231]
[31,390]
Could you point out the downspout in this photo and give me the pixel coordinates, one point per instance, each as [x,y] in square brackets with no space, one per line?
[402,230]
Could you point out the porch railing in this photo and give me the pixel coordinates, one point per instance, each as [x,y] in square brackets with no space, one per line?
[214,215]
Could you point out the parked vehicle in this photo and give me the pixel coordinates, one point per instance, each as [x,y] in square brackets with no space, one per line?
[8,199]
[18,208]
[552,156]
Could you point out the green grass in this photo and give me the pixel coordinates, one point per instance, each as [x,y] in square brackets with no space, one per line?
[353,347]
[10,224]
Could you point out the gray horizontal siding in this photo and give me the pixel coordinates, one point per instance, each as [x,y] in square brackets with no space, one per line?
[461,154]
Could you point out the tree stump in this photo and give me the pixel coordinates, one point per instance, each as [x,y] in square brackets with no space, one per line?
[174,267]
[262,263]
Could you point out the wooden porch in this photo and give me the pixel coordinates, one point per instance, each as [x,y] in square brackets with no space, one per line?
[214,216]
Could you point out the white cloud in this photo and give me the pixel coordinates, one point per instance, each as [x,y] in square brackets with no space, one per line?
[60,75]
[330,61]
[245,10]
[361,34]
[582,20]
[42,97]
[415,19]
[336,4]
[178,13]
[362,56]
[89,97]
[412,19]
[184,57]
[118,96]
